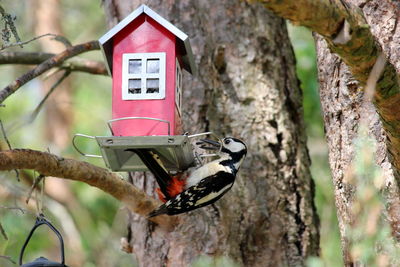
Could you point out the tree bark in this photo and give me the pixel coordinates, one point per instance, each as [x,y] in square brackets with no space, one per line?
[246,87]
[343,104]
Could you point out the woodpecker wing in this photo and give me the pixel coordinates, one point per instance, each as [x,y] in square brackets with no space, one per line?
[162,177]
[206,192]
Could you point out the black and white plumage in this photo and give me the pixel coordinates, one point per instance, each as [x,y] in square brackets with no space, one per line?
[148,158]
[210,182]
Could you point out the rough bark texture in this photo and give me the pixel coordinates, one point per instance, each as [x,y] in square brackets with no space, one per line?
[246,88]
[355,43]
[342,104]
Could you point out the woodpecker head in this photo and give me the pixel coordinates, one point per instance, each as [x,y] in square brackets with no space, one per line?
[230,147]
[234,148]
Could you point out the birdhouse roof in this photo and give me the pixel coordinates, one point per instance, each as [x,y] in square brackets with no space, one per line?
[106,42]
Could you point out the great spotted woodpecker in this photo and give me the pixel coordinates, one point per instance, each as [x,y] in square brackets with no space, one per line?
[204,185]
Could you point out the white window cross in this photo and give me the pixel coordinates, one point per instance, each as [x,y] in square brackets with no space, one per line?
[143,76]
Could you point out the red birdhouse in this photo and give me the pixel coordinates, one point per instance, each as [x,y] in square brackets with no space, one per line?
[145,55]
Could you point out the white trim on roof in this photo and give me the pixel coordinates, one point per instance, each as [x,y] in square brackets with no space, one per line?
[106,44]
[122,24]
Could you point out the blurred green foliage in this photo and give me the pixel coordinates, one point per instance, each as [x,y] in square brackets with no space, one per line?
[370,236]
[306,68]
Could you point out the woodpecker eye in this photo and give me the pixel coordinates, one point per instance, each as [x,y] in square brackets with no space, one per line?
[227,141]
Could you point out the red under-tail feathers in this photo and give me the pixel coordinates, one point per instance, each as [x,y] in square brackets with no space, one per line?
[175,187]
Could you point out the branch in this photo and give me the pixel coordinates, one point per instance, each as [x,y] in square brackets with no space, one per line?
[35,58]
[8,258]
[51,165]
[332,20]
[36,111]
[348,35]
[21,43]
[3,232]
[54,61]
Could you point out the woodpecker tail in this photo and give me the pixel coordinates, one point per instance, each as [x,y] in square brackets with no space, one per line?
[160,210]
[161,175]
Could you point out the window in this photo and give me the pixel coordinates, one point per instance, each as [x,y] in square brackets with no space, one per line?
[143,76]
[178,86]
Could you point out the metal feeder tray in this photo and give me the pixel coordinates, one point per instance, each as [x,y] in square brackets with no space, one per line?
[175,152]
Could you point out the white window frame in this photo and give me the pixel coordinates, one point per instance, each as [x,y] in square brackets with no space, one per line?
[178,86]
[143,76]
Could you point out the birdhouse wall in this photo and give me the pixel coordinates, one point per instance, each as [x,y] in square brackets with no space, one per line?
[144,35]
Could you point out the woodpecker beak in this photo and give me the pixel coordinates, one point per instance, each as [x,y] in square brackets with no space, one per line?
[209,144]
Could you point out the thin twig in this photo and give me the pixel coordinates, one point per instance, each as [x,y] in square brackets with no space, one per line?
[20,43]
[5,135]
[8,258]
[36,111]
[9,145]
[63,40]
[52,62]
[35,58]
[3,232]
[34,185]
[14,208]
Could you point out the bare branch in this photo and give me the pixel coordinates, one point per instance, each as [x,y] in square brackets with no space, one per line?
[10,28]
[14,208]
[51,165]
[5,135]
[35,58]
[85,65]
[52,62]
[27,58]
[53,87]
[63,40]
[8,258]
[21,43]
[3,232]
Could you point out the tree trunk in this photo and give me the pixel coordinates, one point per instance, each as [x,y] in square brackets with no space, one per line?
[58,111]
[246,87]
[343,105]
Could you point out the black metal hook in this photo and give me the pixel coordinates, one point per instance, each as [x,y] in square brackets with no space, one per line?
[40,220]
